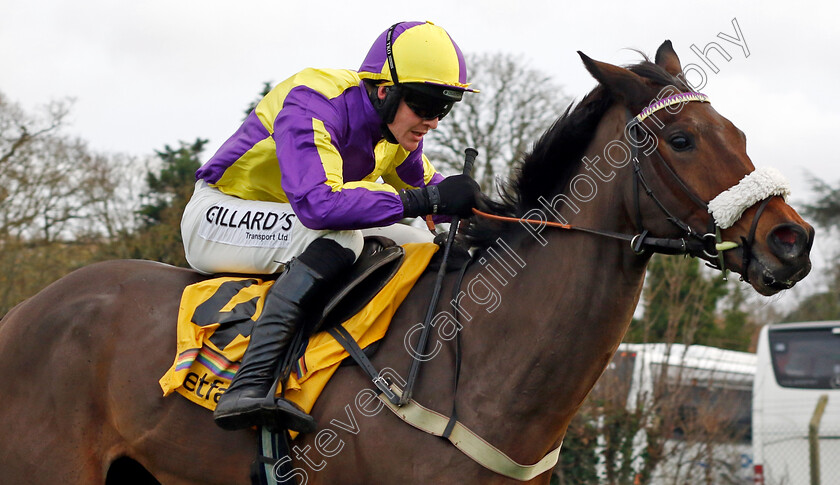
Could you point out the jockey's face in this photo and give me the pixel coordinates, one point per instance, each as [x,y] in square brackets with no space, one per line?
[408,128]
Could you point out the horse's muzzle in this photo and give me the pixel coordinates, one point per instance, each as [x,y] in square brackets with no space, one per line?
[789,247]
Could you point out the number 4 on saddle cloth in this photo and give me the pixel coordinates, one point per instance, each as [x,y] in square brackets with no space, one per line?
[216,317]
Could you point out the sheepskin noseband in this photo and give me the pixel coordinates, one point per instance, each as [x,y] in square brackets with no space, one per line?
[762,183]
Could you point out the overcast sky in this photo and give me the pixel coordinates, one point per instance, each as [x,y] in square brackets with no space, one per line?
[152,72]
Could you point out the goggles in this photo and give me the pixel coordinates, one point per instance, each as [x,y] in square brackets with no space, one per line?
[427,107]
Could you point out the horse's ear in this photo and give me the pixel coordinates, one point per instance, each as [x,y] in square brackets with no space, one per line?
[667,59]
[621,82]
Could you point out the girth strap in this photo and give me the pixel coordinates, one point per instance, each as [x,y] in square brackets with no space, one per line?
[468,442]
[342,336]
[437,424]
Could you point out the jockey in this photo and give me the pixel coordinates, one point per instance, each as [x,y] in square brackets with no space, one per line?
[293,187]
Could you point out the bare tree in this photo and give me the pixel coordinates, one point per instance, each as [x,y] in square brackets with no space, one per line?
[20,175]
[515,106]
[58,199]
[116,184]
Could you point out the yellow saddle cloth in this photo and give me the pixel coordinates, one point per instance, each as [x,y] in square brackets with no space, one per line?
[204,365]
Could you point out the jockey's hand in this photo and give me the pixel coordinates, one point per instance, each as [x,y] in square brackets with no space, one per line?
[453,196]
[458,195]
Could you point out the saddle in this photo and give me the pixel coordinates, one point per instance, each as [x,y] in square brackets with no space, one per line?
[217,314]
[379,262]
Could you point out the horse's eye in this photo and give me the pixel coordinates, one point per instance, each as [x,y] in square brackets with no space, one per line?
[680,142]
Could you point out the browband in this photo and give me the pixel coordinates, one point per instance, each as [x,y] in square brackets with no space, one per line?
[671,100]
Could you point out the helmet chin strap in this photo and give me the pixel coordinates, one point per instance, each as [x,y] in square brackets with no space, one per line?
[386,108]
[386,133]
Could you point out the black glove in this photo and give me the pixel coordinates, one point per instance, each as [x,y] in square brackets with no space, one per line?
[454,196]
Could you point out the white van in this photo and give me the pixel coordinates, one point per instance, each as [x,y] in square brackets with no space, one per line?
[796,364]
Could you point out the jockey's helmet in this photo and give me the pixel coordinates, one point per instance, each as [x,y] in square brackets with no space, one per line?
[418,62]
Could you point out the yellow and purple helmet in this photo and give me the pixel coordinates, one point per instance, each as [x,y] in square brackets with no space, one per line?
[417,53]
[417,62]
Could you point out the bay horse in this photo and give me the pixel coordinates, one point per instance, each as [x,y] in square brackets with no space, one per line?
[542,312]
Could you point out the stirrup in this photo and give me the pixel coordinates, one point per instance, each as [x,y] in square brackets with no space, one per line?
[244,412]
[288,415]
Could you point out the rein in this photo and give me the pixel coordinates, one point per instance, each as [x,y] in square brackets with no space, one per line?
[639,242]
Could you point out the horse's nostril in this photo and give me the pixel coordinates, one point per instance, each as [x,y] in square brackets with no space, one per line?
[788,241]
[786,236]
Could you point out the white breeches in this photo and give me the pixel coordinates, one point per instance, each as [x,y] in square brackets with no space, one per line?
[226,234]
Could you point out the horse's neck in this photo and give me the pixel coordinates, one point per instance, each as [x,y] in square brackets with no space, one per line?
[559,318]
[556,323]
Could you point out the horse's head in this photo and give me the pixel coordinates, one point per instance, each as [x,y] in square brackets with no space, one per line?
[693,178]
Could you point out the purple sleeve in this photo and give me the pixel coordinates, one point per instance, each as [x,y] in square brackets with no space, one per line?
[311,167]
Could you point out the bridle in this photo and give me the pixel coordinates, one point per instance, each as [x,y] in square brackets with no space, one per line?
[707,245]
[693,243]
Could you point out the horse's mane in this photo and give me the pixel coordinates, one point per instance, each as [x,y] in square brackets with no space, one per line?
[554,159]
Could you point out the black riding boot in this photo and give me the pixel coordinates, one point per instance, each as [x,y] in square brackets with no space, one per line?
[250,401]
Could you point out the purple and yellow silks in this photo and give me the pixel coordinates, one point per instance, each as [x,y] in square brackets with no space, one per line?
[315,141]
